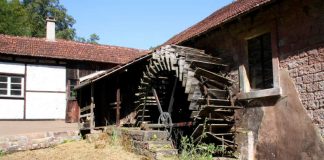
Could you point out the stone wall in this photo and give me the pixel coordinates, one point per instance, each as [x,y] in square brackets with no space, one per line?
[14,143]
[298,27]
[307,71]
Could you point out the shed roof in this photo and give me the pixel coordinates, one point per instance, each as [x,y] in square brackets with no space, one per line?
[219,17]
[68,50]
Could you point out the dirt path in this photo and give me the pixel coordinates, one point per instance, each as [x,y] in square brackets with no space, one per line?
[80,150]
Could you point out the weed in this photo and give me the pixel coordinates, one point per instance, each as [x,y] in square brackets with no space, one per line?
[68,141]
[154,137]
[2,153]
[114,137]
[191,151]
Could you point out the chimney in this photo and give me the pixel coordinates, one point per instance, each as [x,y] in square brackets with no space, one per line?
[50,29]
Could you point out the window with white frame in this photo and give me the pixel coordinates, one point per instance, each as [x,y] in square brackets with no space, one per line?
[11,86]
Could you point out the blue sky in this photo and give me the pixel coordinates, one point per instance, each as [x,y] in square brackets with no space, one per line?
[137,23]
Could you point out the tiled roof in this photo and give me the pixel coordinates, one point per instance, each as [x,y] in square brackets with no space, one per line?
[225,14]
[69,50]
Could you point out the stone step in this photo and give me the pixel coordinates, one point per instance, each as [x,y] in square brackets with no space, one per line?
[140,135]
[165,154]
[160,154]
[153,145]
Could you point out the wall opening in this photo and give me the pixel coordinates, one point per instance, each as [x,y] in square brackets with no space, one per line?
[260,62]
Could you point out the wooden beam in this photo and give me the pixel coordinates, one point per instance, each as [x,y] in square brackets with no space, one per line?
[208,65]
[213,76]
[272,92]
[118,107]
[218,93]
[202,58]
[92,125]
[170,108]
[157,101]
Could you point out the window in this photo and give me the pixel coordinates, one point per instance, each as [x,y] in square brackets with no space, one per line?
[260,62]
[72,84]
[11,86]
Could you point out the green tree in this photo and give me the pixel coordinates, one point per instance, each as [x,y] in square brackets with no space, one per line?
[94,38]
[13,18]
[38,10]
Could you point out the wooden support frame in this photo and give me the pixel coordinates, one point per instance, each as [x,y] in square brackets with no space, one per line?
[92,106]
[118,107]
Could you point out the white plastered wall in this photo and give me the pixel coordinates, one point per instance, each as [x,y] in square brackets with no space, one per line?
[12,108]
[45,92]
[12,68]
[45,105]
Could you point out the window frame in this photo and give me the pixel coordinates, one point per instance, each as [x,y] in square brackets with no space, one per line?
[71,89]
[9,88]
[245,88]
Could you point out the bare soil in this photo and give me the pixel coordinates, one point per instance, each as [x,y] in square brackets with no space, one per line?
[78,150]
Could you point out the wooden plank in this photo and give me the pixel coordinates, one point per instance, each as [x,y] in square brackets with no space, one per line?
[181,66]
[152,68]
[161,65]
[149,73]
[167,61]
[194,90]
[173,61]
[218,93]
[212,107]
[213,76]
[190,78]
[202,58]
[157,67]
[203,101]
[208,65]
[162,60]
[272,92]
[85,108]
[85,115]
[213,84]
[185,74]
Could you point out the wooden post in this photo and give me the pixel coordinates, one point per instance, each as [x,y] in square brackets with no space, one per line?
[118,107]
[157,101]
[170,109]
[92,105]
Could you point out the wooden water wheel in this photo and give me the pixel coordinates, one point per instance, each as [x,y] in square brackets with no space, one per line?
[183,86]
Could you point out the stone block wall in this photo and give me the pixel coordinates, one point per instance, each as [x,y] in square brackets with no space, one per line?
[307,70]
[14,143]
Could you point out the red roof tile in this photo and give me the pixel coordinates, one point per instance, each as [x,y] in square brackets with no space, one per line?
[69,50]
[225,14]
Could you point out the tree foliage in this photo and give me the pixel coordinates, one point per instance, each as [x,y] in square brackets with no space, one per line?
[94,38]
[38,10]
[28,18]
[13,18]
